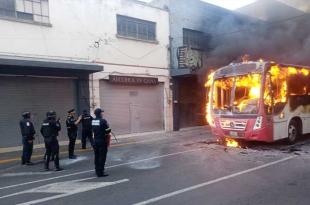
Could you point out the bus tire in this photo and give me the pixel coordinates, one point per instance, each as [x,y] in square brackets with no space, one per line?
[293,132]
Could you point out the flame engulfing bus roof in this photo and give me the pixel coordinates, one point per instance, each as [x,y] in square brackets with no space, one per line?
[251,67]
[240,69]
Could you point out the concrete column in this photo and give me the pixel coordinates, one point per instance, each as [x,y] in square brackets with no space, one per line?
[168,106]
[176,107]
[94,87]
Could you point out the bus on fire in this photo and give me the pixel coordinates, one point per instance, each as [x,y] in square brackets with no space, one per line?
[259,101]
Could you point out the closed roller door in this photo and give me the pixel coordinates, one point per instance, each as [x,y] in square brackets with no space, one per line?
[132,109]
[38,95]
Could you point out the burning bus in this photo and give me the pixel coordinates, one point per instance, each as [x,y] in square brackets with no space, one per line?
[259,101]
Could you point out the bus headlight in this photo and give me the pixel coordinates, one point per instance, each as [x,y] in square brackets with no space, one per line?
[258,123]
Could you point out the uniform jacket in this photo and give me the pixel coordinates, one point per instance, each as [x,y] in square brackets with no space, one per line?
[50,129]
[71,126]
[87,122]
[101,130]
[27,129]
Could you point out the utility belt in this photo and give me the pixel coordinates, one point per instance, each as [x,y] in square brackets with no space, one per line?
[105,140]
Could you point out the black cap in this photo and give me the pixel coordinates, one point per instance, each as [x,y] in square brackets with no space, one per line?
[98,111]
[70,111]
[85,112]
[26,114]
[51,113]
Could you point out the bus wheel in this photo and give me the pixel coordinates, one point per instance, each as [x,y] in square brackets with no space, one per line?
[293,132]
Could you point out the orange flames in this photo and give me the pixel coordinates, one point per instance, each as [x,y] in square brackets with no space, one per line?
[305,71]
[279,82]
[231,143]
[208,85]
[252,81]
[280,75]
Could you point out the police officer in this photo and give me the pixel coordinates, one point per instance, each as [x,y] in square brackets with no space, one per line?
[49,130]
[87,129]
[102,136]
[72,128]
[27,132]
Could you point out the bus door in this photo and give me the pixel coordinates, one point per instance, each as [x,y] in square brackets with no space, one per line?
[278,87]
[268,106]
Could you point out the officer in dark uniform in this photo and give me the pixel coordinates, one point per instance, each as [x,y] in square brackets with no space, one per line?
[87,129]
[27,132]
[72,129]
[49,130]
[102,136]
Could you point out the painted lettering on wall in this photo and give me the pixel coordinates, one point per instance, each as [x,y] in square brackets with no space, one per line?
[129,80]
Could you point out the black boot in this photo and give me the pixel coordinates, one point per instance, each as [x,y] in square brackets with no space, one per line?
[29,163]
[46,164]
[46,168]
[101,173]
[58,169]
[72,157]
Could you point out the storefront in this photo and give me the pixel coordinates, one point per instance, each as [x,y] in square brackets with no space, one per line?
[133,104]
[189,102]
[40,85]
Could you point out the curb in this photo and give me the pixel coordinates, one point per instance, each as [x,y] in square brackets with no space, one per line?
[125,136]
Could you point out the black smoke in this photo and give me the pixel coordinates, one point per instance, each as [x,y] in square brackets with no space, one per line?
[285,41]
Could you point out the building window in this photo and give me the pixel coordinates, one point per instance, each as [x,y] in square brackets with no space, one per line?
[29,10]
[136,28]
[193,39]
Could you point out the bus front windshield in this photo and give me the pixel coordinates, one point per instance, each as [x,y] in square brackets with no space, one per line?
[237,94]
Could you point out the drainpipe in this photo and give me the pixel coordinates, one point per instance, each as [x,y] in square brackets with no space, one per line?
[176,105]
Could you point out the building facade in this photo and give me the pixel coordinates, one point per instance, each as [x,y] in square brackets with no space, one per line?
[189,22]
[52,55]
[193,27]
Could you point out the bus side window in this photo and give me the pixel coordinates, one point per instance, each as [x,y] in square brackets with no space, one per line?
[279,90]
[268,95]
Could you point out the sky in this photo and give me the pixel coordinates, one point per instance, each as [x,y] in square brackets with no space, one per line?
[228,4]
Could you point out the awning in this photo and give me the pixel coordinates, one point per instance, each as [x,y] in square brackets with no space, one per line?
[48,64]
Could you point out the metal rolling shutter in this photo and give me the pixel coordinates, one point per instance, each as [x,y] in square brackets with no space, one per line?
[133,109]
[38,95]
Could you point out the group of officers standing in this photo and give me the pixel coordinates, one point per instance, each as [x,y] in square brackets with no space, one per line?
[96,130]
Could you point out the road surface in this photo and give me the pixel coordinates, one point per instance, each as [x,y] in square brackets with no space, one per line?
[181,168]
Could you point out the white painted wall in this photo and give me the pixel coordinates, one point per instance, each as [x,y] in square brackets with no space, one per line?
[78,24]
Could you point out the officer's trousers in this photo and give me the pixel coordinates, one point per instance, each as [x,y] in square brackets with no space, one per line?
[52,149]
[72,138]
[101,150]
[27,150]
[87,134]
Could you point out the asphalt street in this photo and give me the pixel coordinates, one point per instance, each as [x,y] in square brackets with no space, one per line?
[182,168]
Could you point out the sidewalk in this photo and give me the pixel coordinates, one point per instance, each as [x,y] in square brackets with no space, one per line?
[119,137]
[12,154]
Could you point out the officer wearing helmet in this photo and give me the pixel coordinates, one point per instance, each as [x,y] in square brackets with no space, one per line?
[49,130]
[27,132]
[102,136]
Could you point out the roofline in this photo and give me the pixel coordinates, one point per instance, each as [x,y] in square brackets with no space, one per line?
[148,5]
